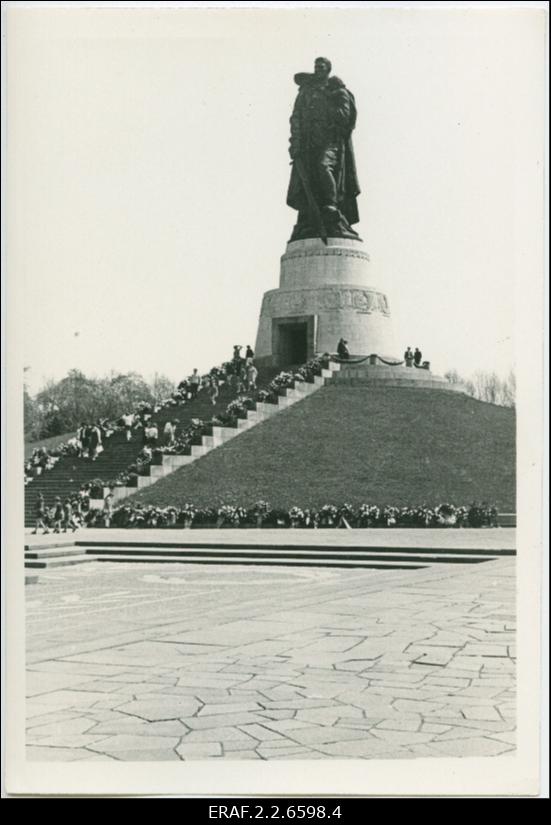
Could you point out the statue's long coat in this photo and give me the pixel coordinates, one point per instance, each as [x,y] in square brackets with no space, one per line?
[348,187]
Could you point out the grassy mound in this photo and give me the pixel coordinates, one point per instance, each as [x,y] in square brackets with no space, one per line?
[359,444]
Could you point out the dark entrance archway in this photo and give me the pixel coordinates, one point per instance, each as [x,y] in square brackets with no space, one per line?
[293,340]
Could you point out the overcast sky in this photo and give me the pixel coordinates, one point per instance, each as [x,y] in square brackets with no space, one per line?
[149,168]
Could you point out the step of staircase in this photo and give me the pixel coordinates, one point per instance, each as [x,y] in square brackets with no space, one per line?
[220,435]
[223,545]
[52,553]
[58,562]
[313,556]
[273,561]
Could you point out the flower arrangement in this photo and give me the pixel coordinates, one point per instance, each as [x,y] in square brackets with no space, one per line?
[367,515]
[187,514]
[346,515]
[446,514]
[296,516]
[328,515]
[390,516]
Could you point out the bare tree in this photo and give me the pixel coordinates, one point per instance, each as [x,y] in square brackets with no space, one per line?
[487,386]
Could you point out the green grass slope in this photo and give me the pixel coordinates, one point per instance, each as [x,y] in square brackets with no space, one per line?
[359,444]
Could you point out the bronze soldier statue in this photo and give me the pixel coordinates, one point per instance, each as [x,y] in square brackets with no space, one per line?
[324,185]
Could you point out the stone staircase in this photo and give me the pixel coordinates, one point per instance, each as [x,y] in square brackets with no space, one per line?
[70,473]
[221,550]
[170,463]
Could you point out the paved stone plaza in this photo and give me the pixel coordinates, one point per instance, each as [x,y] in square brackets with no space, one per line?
[183,662]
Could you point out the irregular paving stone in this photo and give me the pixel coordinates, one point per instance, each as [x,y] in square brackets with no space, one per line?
[260,732]
[124,742]
[231,755]
[224,735]
[210,710]
[368,749]
[481,712]
[65,699]
[45,754]
[198,750]
[144,755]
[402,737]
[474,746]
[76,740]
[157,711]
[221,720]
[64,727]
[401,725]
[130,725]
[321,735]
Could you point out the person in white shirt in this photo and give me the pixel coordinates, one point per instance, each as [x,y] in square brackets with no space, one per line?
[128,422]
[151,434]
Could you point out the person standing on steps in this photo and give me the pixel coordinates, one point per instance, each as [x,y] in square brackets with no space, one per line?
[249,355]
[168,433]
[417,355]
[194,381]
[95,442]
[252,375]
[151,434]
[40,513]
[212,390]
[128,422]
[408,357]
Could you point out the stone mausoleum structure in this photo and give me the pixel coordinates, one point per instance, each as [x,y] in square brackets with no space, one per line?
[325,292]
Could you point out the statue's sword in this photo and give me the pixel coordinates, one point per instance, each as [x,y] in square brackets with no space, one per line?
[312,203]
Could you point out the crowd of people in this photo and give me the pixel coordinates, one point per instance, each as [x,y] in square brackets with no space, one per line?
[87,443]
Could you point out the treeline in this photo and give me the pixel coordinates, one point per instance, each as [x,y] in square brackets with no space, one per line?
[61,406]
[487,386]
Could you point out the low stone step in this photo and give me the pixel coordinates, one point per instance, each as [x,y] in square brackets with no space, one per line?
[274,561]
[51,545]
[57,562]
[281,554]
[47,552]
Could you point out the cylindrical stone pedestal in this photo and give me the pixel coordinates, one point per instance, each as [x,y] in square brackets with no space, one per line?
[325,293]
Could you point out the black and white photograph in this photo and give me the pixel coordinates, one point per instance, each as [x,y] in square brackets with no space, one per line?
[274,346]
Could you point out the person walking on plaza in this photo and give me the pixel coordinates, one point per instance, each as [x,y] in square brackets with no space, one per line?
[68,516]
[417,355]
[408,357]
[58,516]
[40,513]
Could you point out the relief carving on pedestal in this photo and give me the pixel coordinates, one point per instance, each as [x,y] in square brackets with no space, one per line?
[297,302]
